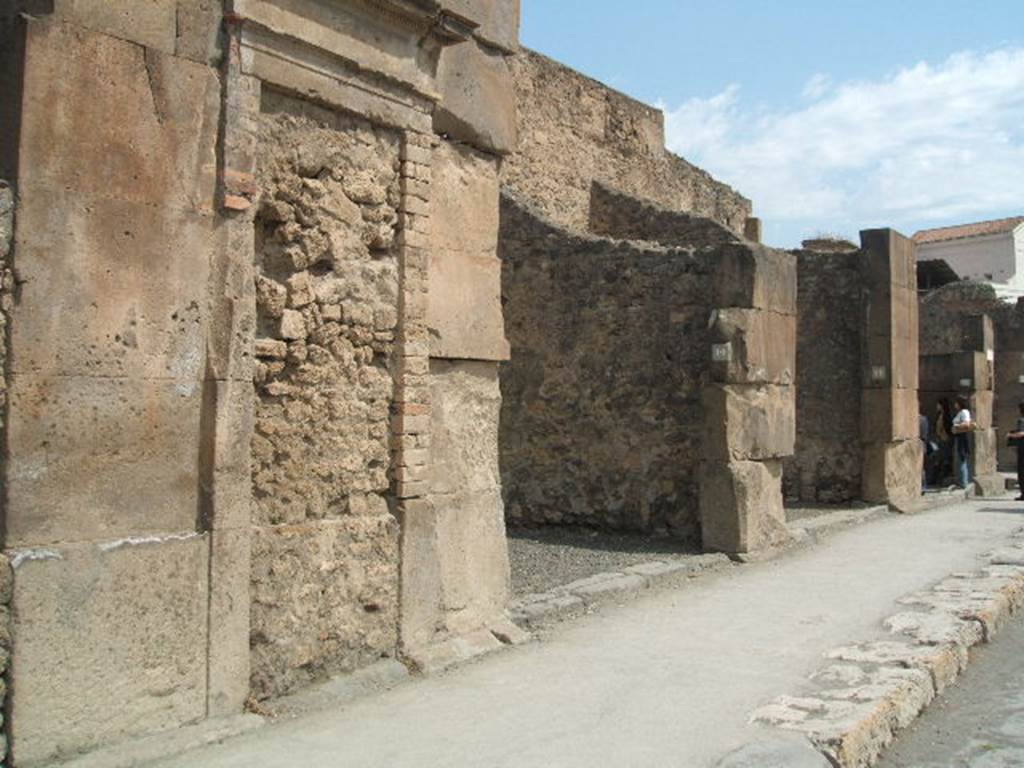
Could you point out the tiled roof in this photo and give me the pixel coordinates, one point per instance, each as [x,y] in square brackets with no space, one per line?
[994,227]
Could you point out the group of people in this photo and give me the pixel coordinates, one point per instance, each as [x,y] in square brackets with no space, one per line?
[948,445]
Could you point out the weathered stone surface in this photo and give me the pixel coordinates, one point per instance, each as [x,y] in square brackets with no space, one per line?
[574,131]
[464,314]
[888,415]
[498,20]
[892,472]
[324,598]
[466,493]
[744,422]
[741,506]
[755,276]
[826,465]
[935,628]
[137,628]
[128,448]
[477,98]
[942,662]
[229,622]
[762,346]
[624,217]
[601,412]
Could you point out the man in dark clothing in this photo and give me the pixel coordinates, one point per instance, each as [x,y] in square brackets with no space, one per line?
[1017,438]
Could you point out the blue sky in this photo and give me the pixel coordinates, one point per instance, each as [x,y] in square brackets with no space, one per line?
[831,116]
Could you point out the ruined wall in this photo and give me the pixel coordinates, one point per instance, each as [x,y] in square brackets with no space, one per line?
[826,466]
[574,131]
[327,293]
[601,412]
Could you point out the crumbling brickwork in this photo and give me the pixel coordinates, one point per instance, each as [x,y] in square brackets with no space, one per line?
[601,413]
[574,130]
[826,466]
[327,293]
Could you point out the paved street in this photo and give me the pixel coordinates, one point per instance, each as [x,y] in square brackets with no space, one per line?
[668,680]
[978,723]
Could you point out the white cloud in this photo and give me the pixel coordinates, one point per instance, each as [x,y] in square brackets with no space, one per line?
[929,144]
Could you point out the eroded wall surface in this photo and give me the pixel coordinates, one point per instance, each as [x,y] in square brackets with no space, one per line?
[601,412]
[574,130]
[325,573]
[826,465]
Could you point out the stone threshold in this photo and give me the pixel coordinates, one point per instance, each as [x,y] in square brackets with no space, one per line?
[853,707]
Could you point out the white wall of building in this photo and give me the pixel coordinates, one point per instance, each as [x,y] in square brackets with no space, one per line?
[996,259]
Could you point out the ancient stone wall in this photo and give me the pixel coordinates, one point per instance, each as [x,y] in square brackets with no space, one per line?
[826,466]
[574,131]
[327,308]
[601,420]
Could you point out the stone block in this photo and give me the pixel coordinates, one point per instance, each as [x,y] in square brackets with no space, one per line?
[478,104]
[198,30]
[982,406]
[133,277]
[128,448]
[741,506]
[890,259]
[127,619]
[984,463]
[762,346]
[150,23]
[888,415]
[755,276]
[464,312]
[498,20]
[892,472]
[745,422]
[228,655]
[161,149]
[957,372]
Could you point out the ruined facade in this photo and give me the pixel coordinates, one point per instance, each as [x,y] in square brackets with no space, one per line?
[857,373]
[301,297]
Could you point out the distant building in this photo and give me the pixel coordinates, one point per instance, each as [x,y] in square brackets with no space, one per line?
[987,251]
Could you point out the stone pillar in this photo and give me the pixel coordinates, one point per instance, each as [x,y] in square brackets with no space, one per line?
[893,452]
[750,423]
[752,229]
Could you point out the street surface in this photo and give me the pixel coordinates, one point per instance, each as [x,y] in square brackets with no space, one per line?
[669,679]
[979,722]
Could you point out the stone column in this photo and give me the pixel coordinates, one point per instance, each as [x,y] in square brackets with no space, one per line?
[750,423]
[893,451]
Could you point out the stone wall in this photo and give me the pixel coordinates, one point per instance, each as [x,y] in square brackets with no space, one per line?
[573,131]
[826,466]
[601,421]
[327,308]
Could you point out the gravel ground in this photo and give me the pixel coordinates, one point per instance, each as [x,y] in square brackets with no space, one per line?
[550,557]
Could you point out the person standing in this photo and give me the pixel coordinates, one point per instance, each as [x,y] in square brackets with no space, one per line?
[942,462]
[1017,440]
[963,425]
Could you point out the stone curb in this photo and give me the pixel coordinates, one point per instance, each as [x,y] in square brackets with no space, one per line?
[868,692]
[578,597]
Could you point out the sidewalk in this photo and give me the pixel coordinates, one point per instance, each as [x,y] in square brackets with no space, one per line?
[668,680]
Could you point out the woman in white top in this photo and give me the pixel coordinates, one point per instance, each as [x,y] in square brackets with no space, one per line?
[962,426]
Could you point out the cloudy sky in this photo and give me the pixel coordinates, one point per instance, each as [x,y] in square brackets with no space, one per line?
[831,117]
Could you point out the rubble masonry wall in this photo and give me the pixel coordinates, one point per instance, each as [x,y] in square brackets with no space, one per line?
[826,466]
[574,130]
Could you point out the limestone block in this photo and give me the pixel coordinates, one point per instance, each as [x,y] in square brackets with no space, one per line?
[744,422]
[749,275]
[888,415]
[133,277]
[498,20]
[762,346]
[350,566]
[127,618]
[95,457]
[889,259]
[478,104]
[464,312]
[741,506]
[891,338]
[151,23]
[982,405]
[228,658]
[198,30]
[161,149]
[983,453]
[892,471]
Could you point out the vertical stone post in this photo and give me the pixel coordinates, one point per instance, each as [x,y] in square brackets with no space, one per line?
[750,421]
[893,451]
